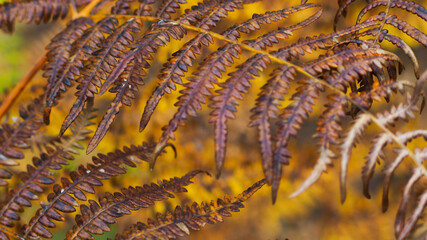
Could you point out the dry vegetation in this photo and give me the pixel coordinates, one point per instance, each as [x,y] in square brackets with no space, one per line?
[258,78]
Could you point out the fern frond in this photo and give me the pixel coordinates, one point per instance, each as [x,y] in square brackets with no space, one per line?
[64,197]
[60,51]
[401,228]
[290,120]
[267,107]
[39,174]
[124,7]
[80,51]
[96,217]
[31,11]
[167,7]
[98,66]
[225,102]
[328,133]
[125,90]
[14,137]
[356,131]
[176,66]
[216,59]
[409,6]
[182,219]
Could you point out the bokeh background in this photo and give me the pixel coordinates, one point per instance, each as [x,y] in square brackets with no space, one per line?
[316,214]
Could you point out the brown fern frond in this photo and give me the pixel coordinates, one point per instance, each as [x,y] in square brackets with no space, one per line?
[182,219]
[210,69]
[417,213]
[96,217]
[232,90]
[291,118]
[80,51]
[266,108]
[158,35]
[356,131]
[127,7]
[167,7]
[261,19]
[398,42]
[403,228]
[225,102]
[14,137]
[408,29]
[328,133]
[64,197]
[39,174]
[269,39]
[98,66]
[402,111]
[409,6]
[176,66]
[31,11]
[308,45]
[59,49]
[125,90]
[216,59]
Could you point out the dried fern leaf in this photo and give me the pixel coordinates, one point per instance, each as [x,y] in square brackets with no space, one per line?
[290,120]
[14,137]
[355,131]
[328,133]
[266,108]
[225,102]
[59,53]
[98,66]
[65,196]
[95,218]
[408,29]
[126,91]
[167,7]
[40,173]
[216,59]
[80,52]
[31,11]
[409,6]
[179,222]
[176,66]
[227,97]
[399,224]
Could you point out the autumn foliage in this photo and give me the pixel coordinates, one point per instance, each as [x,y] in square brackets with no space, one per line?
[200,71]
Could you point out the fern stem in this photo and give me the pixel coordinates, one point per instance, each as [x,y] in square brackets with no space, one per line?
[387,11]
[17,90]
[280,61]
